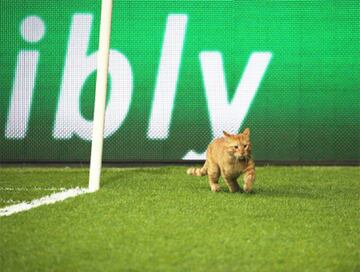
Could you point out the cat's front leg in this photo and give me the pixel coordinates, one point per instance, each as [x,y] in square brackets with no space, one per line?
[231,182]
[249,177]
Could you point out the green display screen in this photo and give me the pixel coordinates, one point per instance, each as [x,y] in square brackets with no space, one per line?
[181,72]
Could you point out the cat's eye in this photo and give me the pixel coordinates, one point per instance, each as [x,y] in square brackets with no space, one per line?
[236,146]
[245,146]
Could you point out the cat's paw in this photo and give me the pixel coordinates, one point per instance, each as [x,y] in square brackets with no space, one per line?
[247,190]
[215,188]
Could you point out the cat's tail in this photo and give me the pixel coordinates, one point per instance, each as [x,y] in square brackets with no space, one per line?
[198,171]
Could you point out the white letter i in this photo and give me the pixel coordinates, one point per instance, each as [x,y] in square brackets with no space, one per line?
[32,30]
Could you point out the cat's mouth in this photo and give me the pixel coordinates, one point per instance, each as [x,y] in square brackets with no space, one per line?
[242,158]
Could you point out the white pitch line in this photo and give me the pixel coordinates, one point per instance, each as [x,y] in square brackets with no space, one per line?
[9,201]
[50,199]
[30,189]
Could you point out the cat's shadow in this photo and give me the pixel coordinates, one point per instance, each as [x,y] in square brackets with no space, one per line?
[285,192]
[277,192]
[261,191]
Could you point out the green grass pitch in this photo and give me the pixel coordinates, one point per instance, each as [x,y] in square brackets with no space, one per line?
[160,219]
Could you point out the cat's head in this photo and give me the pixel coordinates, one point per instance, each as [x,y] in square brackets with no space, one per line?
[238,145]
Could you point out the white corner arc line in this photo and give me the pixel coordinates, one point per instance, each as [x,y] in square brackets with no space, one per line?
[50,199]
[9,201]
[31,189]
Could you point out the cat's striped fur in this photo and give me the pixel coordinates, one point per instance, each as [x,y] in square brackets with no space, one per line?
[229,157]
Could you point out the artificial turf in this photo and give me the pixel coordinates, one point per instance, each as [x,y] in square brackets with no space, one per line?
[160,219]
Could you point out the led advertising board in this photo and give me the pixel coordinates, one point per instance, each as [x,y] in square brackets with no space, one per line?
[180,73]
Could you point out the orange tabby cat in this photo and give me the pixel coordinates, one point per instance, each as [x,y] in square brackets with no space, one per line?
[228,156]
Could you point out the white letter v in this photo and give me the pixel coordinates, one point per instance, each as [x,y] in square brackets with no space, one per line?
[225,115]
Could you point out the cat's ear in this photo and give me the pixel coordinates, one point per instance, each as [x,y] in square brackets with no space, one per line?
[247,132]
[226,134]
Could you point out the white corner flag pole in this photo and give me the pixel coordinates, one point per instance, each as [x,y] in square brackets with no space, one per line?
[100,96]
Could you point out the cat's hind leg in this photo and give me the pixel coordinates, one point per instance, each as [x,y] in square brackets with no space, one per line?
[213,175]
